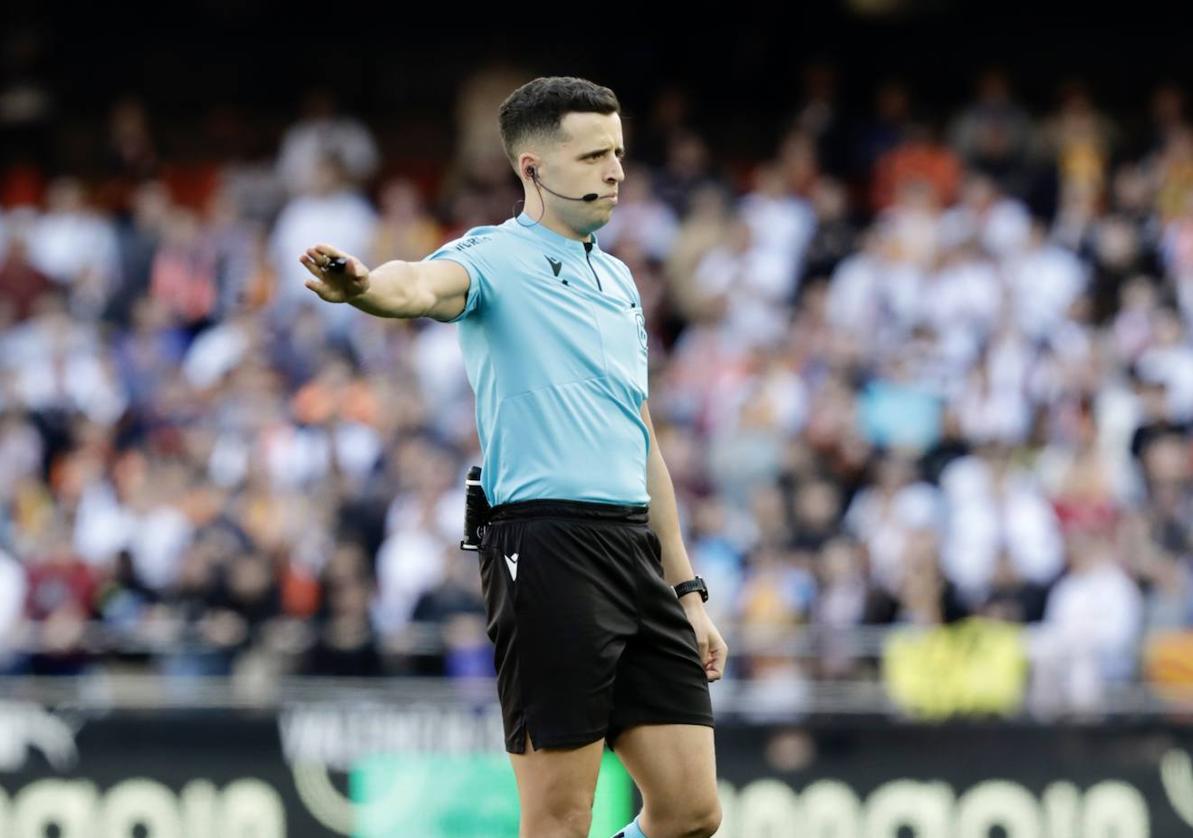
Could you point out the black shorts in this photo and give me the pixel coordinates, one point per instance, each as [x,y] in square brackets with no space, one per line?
[589,637]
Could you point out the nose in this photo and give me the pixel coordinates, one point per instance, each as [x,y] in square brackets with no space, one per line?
[616,174]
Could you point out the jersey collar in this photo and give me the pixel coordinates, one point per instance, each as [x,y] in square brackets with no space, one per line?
[529,225]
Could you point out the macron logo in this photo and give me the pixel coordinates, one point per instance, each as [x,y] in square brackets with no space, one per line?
[555,266]
[512,563]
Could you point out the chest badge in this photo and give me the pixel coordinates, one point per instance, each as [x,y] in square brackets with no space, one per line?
[641,321]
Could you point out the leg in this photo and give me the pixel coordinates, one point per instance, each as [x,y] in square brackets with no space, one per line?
[674,767]
[555,789]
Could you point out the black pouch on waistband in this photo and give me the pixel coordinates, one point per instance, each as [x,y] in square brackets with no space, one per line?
[476,511]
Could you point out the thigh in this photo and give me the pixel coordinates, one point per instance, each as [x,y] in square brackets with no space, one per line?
[560,613]
[556,785]
[674,766]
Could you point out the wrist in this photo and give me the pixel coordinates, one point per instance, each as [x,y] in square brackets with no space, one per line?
[692,604]
[692,591]
[363,284]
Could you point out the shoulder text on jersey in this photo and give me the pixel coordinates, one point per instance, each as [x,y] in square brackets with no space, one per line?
[471,241]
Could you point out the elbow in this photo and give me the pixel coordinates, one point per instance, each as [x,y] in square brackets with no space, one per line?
[418,302]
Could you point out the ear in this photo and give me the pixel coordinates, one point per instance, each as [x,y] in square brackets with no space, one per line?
[528,162]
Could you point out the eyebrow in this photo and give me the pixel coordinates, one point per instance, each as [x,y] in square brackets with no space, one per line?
[596,152]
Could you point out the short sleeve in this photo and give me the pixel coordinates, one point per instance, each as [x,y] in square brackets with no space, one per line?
[474,251]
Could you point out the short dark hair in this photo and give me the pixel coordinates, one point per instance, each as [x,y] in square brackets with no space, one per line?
[539,106]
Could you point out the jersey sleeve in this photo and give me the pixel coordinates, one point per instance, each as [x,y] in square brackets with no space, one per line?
[475,251]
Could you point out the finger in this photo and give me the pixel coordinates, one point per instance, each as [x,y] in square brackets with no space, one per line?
[329,251]
[316,286]
[715,667]
[313,269]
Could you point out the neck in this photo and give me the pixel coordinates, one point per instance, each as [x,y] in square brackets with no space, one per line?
[534,208]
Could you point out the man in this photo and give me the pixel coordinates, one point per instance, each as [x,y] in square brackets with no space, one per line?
[593,643]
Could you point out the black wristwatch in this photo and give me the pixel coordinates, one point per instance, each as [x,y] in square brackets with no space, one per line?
[696,584]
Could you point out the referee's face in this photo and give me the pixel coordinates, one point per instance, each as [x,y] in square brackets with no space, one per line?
[587,160]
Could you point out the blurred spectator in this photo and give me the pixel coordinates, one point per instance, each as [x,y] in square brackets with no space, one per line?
[993,133]
[138,236]
[183,276]
[919,157]
[59,597]
[1079,140]
[686,169]
[131,154]
[321,133]
[75,246]
[330,211]
[841,605]
[345,643]
[835,235]
[1091,626]
[820,117]
[781,225]
[405,230]
[886,128]
[21,284]
[925,596]
[457,606]
[1167,113]
[996,514]
[703,229]
[1044,280]
[886,513]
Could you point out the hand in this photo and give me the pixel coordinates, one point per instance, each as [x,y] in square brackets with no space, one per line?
[334,286]
[713,651]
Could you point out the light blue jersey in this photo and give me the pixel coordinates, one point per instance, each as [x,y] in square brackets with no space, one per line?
[554,343]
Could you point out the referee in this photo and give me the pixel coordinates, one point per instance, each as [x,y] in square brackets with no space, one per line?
[598,622]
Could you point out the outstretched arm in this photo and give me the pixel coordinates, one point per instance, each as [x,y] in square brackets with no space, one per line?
[437,289]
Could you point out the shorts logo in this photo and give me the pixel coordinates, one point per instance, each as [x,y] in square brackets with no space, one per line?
[512,563]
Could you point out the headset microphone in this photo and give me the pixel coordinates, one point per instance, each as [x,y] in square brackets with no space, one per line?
[534,175]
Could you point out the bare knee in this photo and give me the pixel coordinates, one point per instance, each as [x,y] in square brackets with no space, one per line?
[558,820]
[555,809]
[701,822]
[699,819]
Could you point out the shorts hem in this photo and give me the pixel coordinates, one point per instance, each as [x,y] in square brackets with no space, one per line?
[578,740]
[669,719]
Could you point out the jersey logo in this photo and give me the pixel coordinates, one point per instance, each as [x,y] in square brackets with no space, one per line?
[512,563]
[555,266]
[641,321]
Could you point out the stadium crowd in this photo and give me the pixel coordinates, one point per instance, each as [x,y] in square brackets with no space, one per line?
[909,367]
